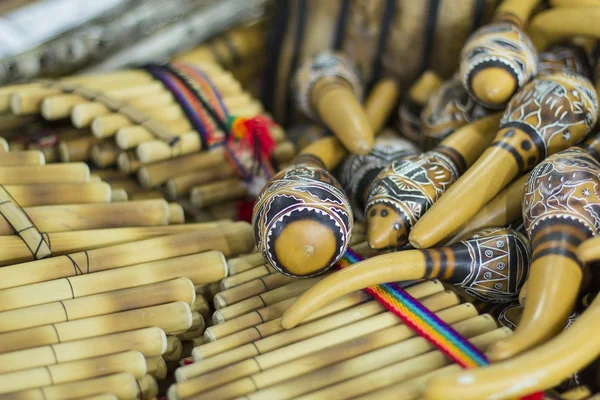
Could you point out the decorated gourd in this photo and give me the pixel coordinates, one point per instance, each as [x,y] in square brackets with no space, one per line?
[491,266]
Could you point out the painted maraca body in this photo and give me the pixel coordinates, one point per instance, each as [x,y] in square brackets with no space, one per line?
[566,57]
[503,49]
[449,108]
[357,172]
[548,115]
[491,266]
[561,207]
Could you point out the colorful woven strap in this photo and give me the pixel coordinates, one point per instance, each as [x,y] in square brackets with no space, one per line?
[424,322]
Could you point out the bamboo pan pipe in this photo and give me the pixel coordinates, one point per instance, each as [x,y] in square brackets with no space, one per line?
[73,217]
[200,268]
[150,342]
[132,362]
[59,193]
[357,362]
[13,250]
[156,367]
[258,361]
[328,89]
[180,289]
[493,73]
[397,190]
[482,277]
[22,158]
[270,324]
[411,106]
[555,232]
[520,144]
[229,239]
[52,173]
[171,318]
[328,221]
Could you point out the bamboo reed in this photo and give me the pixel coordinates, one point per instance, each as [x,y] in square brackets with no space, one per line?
[247,276]
[314,344]
[63,193]
[196,330]
[22,158]
[181,185]
[122,385]
[201,306]
[199,268]
[128,162]
[150,342]
[176,214]
[180,289]
[53,173]
[156,367]
[76,149]
[229,239]
[104,154]
[250,289]
[132,362]
[3,144]
[217,192]
[173,350]
[244,263]
[148,387]
[117,195]
[171,318]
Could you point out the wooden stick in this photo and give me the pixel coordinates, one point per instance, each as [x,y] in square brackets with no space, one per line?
[199,268]
[13,250]
[123,385]
[248,276]
[132,362]
[244,263]
[180,289]
[53,173]
[156,367]
[229,239]
[344,361]
[22,158]
[253,288]
[171,318]
[314,344]
[272,326]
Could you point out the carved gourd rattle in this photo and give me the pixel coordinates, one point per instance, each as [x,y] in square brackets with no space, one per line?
[302,218]
[406,188]
[499,58]
[540,368]
[548,115]
[560,211]
[328,89]
[490,266]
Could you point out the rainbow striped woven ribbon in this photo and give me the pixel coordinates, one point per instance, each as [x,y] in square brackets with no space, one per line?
[424,322]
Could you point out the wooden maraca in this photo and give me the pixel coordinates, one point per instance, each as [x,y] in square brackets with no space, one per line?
[540,368]
[560,209]
[491,266]
[499,58]
[328,88]
[548,115]
[449,108]
[302,219]
[358,171]
[406,188]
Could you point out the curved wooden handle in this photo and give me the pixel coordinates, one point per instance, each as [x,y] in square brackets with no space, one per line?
[552,25]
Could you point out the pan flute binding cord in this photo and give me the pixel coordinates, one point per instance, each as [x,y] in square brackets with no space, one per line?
[13,213]
[247,142]
[424,322]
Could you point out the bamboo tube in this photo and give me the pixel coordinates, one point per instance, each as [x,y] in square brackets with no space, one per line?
[266,298]
[73,217]
[109,174]
[259,362]
[148,387]
[209,290]
[53,173]
[342,362]
[328,89]
[253,288]
[512,153]
[409,112]
[547,27]
[122,385]
[128,184]
[76,149]
[156,367]
[149,194]
[117,195]
[13,250]
[171,318]
[132,362]
[22,158]
[271,324]
[201,306]
[493,73]
[456,264]
[128,162]
[228,239]
[176,214]
[555,233]
[245,277]
[199,268]
[407,378]
[148,341]
[104,154]
[3,144]
[173,350]
[180,289]
[244,263]
[217,192]
[100,397]
[181,185]
[62,193]
[197,328]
